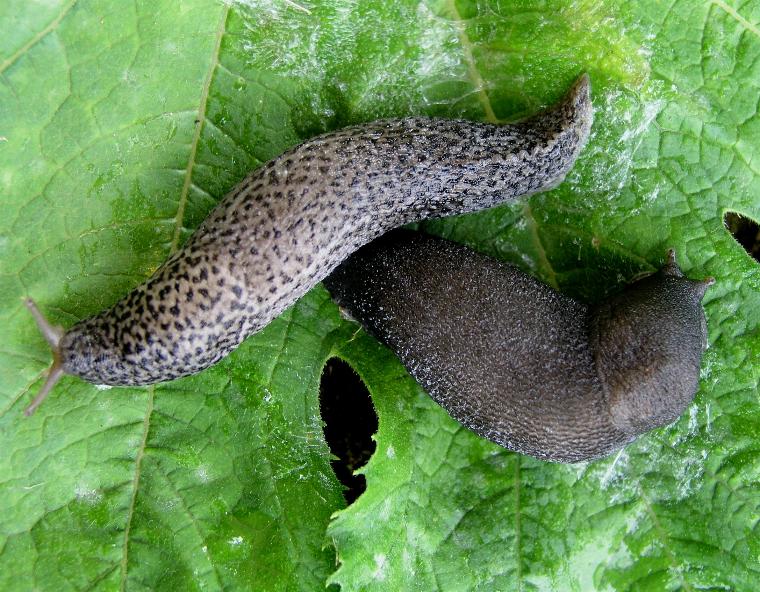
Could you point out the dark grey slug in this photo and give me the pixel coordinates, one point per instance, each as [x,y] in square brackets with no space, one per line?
[519,363]
[290,222]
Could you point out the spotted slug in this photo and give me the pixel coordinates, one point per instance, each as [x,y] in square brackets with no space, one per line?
[289,223]
[519,363]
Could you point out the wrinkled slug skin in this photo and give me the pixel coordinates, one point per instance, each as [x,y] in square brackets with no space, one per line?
[519,363]
[290,222]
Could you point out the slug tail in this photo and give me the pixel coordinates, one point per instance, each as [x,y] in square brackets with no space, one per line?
[578,99]
[562,131]
[573,116]
[580,110]
[53,335]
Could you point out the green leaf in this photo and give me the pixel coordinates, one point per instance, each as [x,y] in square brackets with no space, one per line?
[123,123]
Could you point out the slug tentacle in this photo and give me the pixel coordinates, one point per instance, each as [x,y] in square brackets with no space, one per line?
[519,363]
[290,222]
[53,335]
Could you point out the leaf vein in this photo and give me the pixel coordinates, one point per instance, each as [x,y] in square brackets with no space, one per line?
[199,128]
[541,252]
[518,516]
[664,538]
[733,13]
[135,486]
[38,37]
[472,69]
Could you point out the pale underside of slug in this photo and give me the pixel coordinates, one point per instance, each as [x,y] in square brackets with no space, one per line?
[290,222]
[520,363]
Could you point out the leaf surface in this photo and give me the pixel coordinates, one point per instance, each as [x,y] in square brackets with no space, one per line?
[122,124]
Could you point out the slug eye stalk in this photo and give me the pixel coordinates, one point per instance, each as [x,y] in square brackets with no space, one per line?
[53,335]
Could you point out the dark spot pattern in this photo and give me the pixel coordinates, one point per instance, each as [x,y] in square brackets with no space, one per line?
[292,221]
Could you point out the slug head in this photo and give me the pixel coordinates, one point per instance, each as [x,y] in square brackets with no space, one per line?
[647,344]
[80,351]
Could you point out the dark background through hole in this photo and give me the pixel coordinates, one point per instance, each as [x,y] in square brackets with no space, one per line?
[745,231]
[350,419]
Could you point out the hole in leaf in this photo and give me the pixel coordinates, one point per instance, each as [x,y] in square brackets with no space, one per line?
[745,231]
[350,420]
